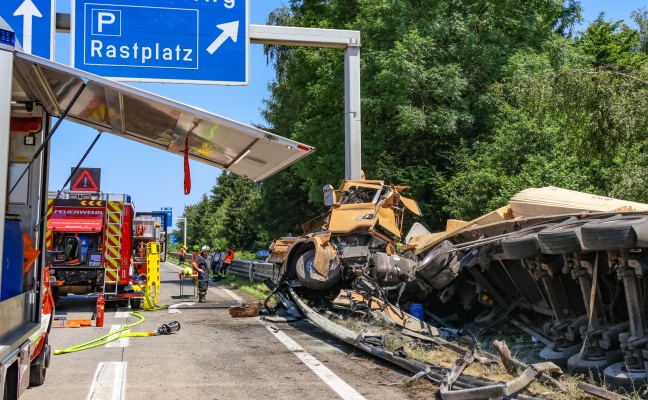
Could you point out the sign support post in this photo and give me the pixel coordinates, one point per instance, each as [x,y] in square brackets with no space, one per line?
[313,37]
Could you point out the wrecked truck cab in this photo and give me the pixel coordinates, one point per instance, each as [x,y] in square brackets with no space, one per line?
[356,236]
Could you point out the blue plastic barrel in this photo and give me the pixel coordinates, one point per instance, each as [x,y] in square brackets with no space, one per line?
[416,310]
[12,259]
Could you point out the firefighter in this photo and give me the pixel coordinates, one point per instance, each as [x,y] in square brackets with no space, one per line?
[217,259]
[195,254]
[182,254]
[201,265]
[227,259]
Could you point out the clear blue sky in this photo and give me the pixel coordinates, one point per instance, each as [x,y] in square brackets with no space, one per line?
[154,178]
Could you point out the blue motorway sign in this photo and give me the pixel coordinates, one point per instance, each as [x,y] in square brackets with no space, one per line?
[263,253]
[176,41]
[34,22]
[169,215]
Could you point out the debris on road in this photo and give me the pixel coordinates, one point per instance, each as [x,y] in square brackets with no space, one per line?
[245,310]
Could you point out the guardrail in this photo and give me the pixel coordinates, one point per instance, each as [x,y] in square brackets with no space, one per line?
[253,270]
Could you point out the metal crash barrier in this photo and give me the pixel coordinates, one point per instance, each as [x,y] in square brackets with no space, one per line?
[254,270]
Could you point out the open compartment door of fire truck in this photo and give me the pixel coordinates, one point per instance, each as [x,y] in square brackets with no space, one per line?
[153,120]
[26,304]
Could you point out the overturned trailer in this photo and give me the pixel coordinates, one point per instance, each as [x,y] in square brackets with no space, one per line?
[573,262]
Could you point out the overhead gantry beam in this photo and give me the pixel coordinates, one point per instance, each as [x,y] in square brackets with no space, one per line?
[347,40]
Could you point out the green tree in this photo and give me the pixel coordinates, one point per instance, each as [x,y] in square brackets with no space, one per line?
[426,70]
[559,121]
[233,201]
[612,43]
[283,207]
[640,17]
[195,215]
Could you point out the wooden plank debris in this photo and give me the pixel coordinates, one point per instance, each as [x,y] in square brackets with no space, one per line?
[600,392]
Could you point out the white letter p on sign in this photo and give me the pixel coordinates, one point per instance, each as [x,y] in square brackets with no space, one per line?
[104,18]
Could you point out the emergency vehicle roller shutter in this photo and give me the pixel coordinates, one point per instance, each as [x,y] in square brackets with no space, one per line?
[112,248]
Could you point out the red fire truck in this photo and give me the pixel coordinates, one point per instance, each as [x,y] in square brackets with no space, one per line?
[90,239]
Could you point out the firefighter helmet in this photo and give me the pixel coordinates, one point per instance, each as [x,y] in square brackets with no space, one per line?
[205,248]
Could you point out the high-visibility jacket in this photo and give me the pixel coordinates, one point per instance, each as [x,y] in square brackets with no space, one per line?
[229,256]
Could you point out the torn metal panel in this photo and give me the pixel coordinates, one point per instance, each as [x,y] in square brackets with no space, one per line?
[600,392]
[399,317]
[499,390]
[512,365]
[414,366]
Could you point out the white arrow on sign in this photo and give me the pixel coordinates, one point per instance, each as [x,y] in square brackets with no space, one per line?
[28,10]
[230,30]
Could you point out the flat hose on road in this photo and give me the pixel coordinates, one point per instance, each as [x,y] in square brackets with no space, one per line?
[109,337]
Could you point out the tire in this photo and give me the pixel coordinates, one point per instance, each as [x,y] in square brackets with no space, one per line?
[562,238]
[445,277]
[641,229]
[136,303]
[436,260]
[38,371]
[612,233]
[524,243]
[560,355]
[618,377]
[312,279]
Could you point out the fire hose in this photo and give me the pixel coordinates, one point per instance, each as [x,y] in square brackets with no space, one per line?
[165,329]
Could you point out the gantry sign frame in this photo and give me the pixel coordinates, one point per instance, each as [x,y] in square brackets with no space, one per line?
[347,40]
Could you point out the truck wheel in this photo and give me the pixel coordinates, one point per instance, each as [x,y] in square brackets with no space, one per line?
[562,238]
[612,233]
[436,260]
[524,243]
[310,278]
[38,371]
[136,304]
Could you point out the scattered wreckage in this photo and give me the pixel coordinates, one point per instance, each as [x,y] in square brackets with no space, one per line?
[571,261]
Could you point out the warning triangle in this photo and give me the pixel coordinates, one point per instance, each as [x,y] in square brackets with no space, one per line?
[85,183]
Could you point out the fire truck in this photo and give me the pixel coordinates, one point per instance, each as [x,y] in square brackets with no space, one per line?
[97,244]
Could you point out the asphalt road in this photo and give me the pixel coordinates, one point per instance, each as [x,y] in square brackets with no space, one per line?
[213,356]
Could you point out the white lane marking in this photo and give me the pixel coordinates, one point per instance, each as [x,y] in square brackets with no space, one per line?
[122,312]
[175,266]
[123,342]
[230,294]
[109,382]
[343,389]
[174,308]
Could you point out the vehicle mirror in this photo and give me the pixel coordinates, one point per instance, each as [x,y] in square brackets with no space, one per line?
[331,198]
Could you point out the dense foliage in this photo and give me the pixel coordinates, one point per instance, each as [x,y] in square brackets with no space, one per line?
[465,101]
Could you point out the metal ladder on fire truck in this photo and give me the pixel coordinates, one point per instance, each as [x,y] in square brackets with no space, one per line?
[112,250]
